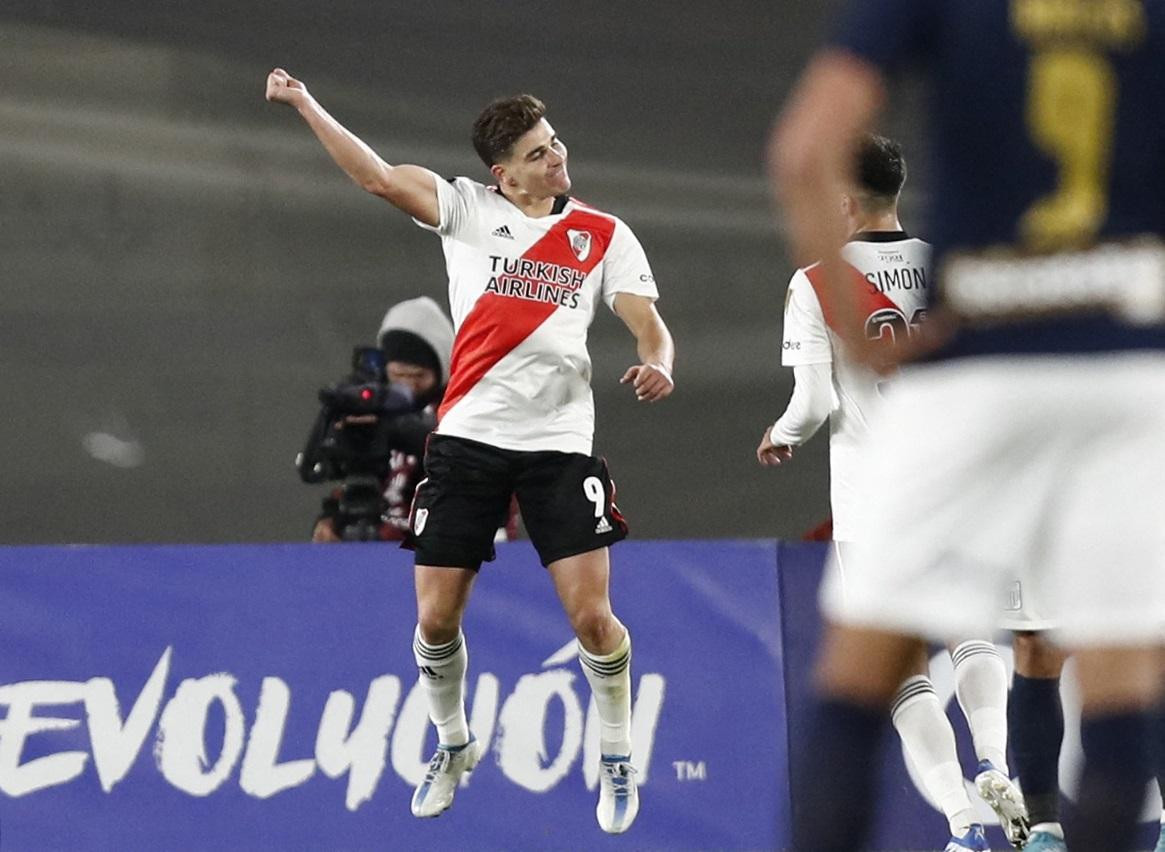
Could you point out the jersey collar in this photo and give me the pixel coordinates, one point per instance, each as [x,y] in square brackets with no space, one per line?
[879,237]
[560,201]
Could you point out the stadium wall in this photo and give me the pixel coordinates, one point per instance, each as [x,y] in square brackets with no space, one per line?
[262,697]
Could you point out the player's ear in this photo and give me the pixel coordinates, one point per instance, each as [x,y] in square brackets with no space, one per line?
[499,173]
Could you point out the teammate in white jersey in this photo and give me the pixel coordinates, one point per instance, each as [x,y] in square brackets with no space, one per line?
[527,267]
[891,272]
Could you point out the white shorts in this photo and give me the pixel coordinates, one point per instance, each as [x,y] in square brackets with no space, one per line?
[978,472]
[1022,607]
[1025,606]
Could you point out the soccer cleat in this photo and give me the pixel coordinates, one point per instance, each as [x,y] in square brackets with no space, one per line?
[1044,841]
[434,794]
[618,794]
[997,790]
[974,839]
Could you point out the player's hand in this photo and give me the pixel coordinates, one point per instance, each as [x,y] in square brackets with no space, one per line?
[652,382]
[282,88]
[770,454]
[324,530]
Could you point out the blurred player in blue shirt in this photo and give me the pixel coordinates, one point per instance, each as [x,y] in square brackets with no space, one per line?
[1032,435]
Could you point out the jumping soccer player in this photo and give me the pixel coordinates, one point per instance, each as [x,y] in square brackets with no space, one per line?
[1033,436]
[527,267]
[891,273]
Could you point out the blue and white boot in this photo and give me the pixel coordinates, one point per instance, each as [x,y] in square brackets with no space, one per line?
[1045,841]
[434,794]
[975,839]
[618,794]
[998,791]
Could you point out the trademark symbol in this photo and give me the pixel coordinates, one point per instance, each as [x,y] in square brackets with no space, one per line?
[690,770]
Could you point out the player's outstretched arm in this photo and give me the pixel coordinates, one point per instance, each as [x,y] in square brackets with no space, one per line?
[651,378]
[411,188]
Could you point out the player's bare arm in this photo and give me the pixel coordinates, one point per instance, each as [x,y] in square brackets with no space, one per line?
[652,377]
[412,189]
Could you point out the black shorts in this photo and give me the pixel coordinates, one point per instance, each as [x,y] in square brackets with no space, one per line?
[567,502]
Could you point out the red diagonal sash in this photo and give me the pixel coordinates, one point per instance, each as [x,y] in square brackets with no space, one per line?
[497,323]
[870,299]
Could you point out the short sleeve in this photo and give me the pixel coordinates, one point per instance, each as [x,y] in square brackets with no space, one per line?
[887,33]
[625,267]
[806,336]
[457,198]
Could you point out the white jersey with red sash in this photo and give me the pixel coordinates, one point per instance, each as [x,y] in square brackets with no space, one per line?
[523,292]
[892,273]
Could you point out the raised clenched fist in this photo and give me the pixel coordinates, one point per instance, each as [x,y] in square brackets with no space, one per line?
[284,89]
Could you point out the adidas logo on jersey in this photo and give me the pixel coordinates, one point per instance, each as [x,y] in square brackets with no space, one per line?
[504,232]
[603,526]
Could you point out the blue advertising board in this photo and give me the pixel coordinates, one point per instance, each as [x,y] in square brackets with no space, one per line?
[263,698]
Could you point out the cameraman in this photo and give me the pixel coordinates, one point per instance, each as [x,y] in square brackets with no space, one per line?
[416,338]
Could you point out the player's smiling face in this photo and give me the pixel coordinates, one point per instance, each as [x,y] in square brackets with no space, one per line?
[537,164]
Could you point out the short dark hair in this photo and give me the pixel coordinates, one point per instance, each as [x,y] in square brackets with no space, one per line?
[879,169]
[503,123]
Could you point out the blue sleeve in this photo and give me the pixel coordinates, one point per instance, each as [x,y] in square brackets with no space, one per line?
[890,34]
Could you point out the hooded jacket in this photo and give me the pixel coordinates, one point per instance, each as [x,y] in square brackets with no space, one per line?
[424,318]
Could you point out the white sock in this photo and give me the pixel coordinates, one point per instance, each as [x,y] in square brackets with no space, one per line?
[981,686]
[610,678]
[926,732]
[442,671]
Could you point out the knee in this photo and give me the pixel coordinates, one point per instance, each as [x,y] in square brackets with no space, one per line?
[597,629]
[438,625]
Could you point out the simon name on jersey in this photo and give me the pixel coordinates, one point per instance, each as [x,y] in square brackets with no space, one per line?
[898,278]
[535,280]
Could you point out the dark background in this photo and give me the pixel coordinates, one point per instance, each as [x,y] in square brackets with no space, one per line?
[182,266]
